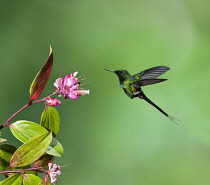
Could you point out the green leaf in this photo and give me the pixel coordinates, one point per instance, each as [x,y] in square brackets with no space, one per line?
[55,148]
[43,162]
[26,130]
[41,78]
[50,119]
[30,179]
[6,152]
[4,164]
[14,180]
[31,150]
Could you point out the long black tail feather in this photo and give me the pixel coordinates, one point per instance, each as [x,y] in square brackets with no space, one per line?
[143,96]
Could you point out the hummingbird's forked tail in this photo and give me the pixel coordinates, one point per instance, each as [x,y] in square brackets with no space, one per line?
[143,96]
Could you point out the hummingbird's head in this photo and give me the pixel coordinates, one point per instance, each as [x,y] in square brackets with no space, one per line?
[122,74]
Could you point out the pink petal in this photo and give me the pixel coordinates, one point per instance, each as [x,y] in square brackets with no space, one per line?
[54,168]
[71,82]
[73,96]
[50,165]
[58,82]
[75,74]
[74,87]
[65,79]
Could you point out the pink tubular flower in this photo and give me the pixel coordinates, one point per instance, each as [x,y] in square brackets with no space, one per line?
[53,171]
[52,101]
[69,87]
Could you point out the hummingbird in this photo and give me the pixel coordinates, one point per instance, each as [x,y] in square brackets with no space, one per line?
[132,84]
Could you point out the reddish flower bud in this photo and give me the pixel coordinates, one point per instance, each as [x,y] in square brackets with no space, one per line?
[52,101]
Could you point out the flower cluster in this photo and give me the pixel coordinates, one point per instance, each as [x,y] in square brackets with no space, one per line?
[53,171]
[35,149]
[69,87]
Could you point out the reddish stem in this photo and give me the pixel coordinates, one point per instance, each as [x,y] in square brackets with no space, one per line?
[22,171]
[24,107]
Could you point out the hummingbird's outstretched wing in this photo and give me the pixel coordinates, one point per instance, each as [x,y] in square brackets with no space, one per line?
[143,96]
[151,73]
[148,82]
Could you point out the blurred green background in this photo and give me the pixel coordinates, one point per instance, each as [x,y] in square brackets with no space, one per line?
[111,139]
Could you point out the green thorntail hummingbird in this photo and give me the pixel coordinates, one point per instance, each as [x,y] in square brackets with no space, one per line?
[132,84]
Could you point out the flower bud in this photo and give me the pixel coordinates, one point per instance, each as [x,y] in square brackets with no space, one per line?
[52,101]
[82,92]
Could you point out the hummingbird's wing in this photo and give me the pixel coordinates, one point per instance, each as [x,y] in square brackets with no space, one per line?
[151,73]
[149,81]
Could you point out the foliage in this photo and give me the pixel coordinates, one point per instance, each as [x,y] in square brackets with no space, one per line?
[39,149]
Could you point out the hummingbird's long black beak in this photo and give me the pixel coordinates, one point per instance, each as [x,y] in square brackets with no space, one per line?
[109,70]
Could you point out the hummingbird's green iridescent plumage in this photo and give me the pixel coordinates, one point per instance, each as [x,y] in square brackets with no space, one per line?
[132,84]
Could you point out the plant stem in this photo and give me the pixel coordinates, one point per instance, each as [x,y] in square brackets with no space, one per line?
[22,171]
[24,107]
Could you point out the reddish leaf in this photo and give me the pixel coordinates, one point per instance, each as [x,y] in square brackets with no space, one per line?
[41,78]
